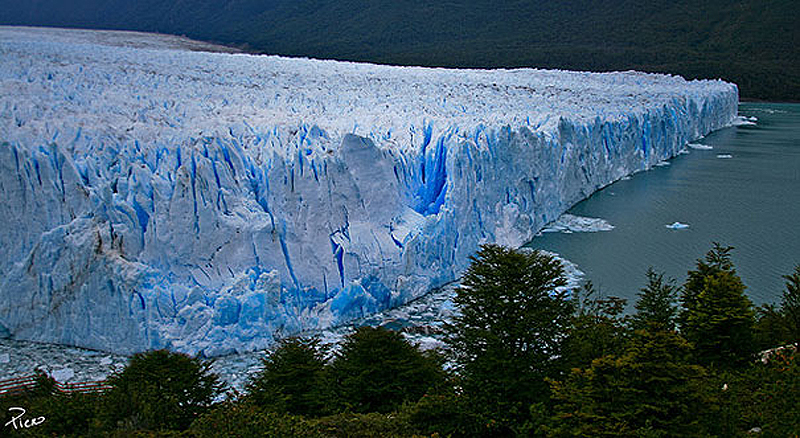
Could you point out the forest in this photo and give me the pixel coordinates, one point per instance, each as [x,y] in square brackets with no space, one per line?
[751,43]
[523,357]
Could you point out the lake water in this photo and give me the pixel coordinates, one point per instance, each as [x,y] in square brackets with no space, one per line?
[745,193]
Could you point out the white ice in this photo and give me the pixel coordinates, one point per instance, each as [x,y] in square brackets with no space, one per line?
[677,226]
[157,197]
[744,121]
[568,223]
[63,374]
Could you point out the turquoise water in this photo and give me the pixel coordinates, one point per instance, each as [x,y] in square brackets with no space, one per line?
[750,201]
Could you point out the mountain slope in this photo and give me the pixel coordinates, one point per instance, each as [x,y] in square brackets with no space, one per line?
[753,43]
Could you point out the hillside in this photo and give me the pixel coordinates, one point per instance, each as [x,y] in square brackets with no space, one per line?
[752,43]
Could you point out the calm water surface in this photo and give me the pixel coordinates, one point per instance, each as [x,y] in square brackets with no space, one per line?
[750,201]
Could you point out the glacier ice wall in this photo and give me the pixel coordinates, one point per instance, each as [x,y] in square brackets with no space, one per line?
[154,197]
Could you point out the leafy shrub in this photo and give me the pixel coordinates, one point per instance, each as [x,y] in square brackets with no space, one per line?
[372,425]
[291,381]
[763,396]
[651,389]
[446,414]
[158,390]
[243,419]
[377,370]
[598,328]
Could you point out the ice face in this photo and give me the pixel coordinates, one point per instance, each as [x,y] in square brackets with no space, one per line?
[210,203]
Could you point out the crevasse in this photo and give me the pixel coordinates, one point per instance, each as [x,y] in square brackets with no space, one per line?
[154,197]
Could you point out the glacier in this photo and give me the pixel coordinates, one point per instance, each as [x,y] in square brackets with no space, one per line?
[156,196]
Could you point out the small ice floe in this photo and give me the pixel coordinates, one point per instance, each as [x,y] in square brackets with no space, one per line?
[724,156]
[662,163]
[744,121]
[625,178]
[63,374]
[768,110]
[5,358]
[106,361]
[700,146]
[677,226]
[569,223]
[683,151]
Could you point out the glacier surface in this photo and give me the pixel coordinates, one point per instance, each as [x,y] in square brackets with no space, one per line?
[158,197]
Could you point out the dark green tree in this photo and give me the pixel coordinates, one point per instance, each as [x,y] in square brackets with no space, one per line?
[771,328]
[446,413]
[377,370]
[790,305]
[159,390]
[657,305]
[652,389]
[597,329]
[776,326]
[717,260]
[510,329]
[291,380]
[717,317]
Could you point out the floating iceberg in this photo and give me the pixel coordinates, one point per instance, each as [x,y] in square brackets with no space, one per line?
[156,197]
[569,223]
[744,121]
[700,146]
[724,156]
[677,226]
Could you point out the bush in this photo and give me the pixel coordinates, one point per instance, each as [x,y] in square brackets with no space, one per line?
[771,329]
[651,389]
[377,370]
[372,425]
[68,414]
[446,414]
[780,326]
[598,328]
[762,396]
[159,390]
[243,419]
[790,305]
[291,381]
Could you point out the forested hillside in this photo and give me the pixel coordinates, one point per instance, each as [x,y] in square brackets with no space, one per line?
[753,43]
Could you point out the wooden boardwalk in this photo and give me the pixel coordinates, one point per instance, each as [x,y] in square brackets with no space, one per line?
[21,384]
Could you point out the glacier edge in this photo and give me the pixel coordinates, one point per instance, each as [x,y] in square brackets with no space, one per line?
[215,216]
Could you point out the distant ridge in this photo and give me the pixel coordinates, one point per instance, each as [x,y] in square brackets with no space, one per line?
[751,42]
